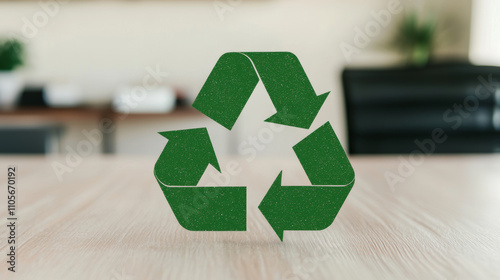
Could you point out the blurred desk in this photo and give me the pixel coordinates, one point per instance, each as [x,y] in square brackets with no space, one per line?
[79,113]
[38,116]
[108,219]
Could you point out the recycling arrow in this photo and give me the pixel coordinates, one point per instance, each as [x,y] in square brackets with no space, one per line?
[183,161]
[188,153]
[235,76]
[311,207]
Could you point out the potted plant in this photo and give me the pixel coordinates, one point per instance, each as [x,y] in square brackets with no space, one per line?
[11,57]
[416,38]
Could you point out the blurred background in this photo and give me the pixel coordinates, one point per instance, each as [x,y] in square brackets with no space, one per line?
[97,77]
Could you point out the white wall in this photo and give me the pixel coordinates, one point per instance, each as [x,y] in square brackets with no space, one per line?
[485,32]
[101,44]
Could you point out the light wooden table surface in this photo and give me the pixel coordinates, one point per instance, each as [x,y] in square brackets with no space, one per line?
[108,219]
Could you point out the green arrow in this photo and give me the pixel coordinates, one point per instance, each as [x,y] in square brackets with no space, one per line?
[311,207]
[288,87]
[227,89]
[183,161]
[235,75]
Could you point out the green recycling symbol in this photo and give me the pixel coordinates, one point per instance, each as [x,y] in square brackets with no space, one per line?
[188,152]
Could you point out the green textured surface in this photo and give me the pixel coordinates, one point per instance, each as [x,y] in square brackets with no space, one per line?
[311,207]
[182,163]
[222,98]
[234,77]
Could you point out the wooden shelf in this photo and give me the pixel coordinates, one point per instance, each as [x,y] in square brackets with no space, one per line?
[81,113]
[65,116]
[181,112]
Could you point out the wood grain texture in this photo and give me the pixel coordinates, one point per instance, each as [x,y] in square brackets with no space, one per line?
[108,219]
[37,114]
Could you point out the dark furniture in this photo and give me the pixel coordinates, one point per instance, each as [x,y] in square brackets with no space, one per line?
[396,110]
[29,140]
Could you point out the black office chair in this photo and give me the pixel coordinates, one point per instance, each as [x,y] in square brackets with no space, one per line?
[396,110]
[28,140]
